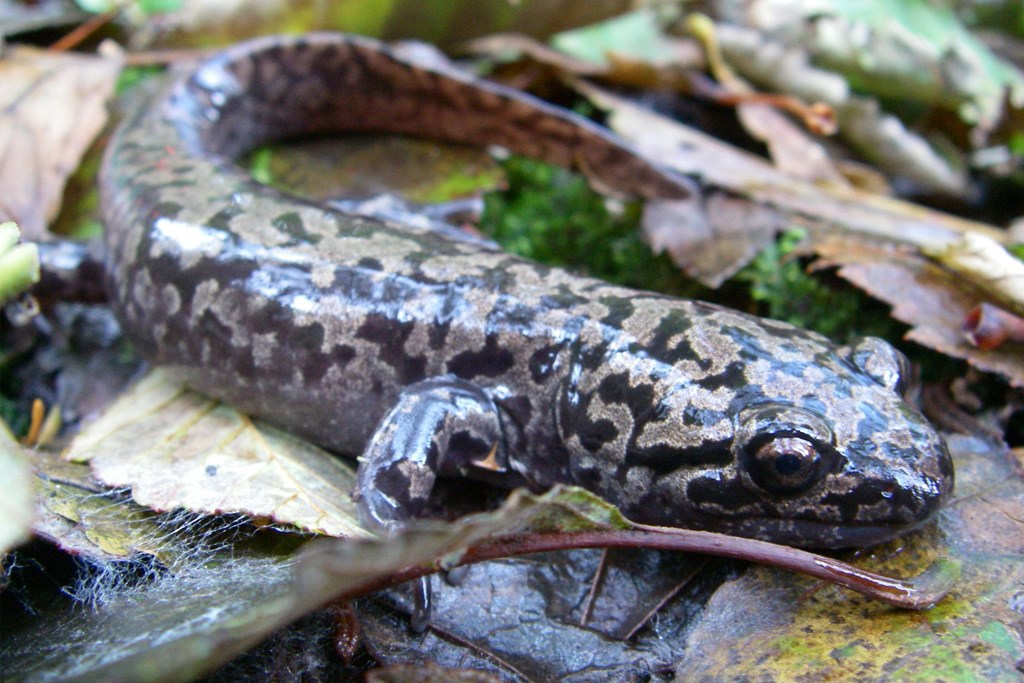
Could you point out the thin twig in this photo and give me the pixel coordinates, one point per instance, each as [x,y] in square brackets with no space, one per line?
[84,30]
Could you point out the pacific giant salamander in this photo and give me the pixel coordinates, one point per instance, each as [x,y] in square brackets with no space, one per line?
[432,356]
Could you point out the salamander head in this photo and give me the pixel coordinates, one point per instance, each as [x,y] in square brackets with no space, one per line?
[855,473]
[801,441]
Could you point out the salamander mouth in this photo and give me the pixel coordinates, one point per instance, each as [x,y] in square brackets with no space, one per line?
[805,533]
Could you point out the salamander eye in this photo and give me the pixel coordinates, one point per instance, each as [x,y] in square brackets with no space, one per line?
[783,464]
[784,449]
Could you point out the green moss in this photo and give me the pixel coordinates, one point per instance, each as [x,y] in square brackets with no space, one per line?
[131,76]
[461,182]
[17,420]
[79,213]
[997,634]
[784,290]
[552,215]
[260,164]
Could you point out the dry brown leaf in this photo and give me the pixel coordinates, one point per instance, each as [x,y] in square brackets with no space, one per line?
[713,243]
[687,150]
[986,264]
[51,108]
[178,449]
[776,60]
[830,209]
[989,327]
[794,152]
[923,295]
[505,45]
[677,59]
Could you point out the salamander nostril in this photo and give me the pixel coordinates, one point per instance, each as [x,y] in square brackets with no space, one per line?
[879,361]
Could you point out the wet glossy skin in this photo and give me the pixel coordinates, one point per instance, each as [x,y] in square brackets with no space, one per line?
[432,356]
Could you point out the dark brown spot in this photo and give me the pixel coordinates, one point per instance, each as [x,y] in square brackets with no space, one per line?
[594,435]
[542,362]
[619,310]
[490,361]
[370,263]
[732,376]
[222,219]
[390,336]
[638,398]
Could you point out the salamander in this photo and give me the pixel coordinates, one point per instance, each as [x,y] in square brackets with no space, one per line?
[431,356]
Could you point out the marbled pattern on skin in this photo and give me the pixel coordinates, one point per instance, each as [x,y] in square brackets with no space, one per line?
[432,356]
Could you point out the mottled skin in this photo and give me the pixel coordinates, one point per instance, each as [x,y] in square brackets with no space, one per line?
[429,355]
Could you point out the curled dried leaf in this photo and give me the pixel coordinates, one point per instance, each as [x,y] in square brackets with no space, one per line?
[988,327]
[987,265]
[51,108]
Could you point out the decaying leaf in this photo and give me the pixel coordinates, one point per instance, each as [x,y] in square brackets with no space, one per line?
[180,625]
[930,299]
[483,618]
[712,244]
[97,526]
[516,618]
[879,136]
[64,532]
[221,602]
[988,266]
[902,51]
[752,180]
[630,589]
[92,522]
[989,327]
[16,508]
[174,628]
[51,108]
[177,449]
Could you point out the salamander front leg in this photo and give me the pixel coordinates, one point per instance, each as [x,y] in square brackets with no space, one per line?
[439,427]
